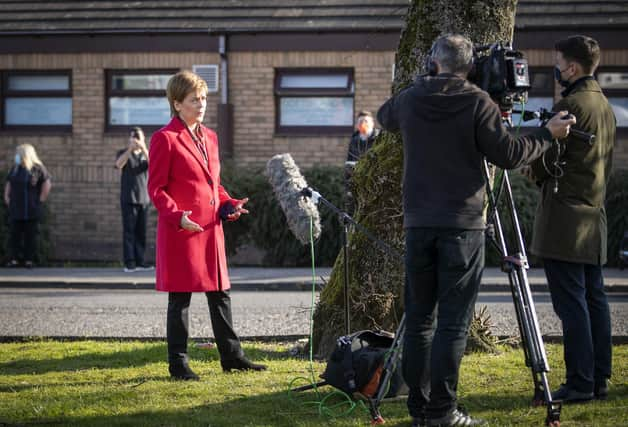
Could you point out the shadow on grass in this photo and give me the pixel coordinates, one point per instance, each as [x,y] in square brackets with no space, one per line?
[124,359]
[278,409]
[269,409]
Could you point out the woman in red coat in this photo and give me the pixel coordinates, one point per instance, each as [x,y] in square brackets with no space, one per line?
[184,185]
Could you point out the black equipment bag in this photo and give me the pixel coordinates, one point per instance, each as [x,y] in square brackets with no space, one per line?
[356,364]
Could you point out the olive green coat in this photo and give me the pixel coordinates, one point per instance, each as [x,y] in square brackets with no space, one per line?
[570,224]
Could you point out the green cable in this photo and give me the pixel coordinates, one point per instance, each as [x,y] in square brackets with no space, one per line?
[324,408]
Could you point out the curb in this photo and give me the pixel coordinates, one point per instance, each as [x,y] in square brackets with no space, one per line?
[262,286]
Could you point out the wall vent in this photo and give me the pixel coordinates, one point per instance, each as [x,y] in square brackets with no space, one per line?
[209,73]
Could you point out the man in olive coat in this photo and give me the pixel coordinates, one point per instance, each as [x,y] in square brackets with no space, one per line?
[570,225]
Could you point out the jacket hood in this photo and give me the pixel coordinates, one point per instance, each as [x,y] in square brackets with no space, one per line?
[447,95]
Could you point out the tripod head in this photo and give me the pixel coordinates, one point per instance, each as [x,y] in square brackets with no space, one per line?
[544,115]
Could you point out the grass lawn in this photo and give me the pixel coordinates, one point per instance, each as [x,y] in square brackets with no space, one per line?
[96,383]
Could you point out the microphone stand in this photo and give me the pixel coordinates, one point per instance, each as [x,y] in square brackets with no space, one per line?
[346,220]
[394,355]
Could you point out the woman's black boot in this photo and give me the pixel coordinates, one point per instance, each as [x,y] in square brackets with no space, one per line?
[241,364]
[181,371]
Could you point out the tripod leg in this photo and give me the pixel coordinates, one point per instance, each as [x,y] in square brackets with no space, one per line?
[387,372]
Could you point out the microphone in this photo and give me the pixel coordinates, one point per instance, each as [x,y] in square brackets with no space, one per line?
[297,200]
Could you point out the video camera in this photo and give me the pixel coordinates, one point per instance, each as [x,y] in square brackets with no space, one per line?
[502,72]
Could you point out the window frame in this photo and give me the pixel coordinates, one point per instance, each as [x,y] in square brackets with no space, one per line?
[134,93]
[5,93]
[279,93]
[614,93]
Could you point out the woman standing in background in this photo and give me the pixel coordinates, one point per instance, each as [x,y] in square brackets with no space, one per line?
[27,187]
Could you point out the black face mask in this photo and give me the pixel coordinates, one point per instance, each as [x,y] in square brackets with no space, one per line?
[557,75]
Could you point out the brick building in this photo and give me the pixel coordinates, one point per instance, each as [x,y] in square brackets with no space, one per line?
[77,75]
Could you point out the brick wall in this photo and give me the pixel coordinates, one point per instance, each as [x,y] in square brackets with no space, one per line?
[85,222]
[84,202]
[251,90]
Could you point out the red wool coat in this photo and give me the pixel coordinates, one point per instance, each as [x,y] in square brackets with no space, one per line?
[179,180]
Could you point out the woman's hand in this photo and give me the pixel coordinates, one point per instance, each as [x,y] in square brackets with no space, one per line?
[188,224]
[239,210]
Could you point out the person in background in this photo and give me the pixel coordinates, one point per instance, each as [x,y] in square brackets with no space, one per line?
[184,185]
[133,164]
[363,137]
[361,141]
[27,187]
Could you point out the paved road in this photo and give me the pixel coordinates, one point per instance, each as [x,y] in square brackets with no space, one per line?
[141,313]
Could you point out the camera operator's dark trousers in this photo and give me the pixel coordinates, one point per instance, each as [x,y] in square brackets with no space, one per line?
[443,274]
[580,302]
[23,239]
[220,313]
[134,218]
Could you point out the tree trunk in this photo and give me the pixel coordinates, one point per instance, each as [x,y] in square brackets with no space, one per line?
[375,279]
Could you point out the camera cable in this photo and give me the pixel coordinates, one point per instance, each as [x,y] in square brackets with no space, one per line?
[337,403]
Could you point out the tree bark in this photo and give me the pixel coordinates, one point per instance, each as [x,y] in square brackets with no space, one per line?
[376,279]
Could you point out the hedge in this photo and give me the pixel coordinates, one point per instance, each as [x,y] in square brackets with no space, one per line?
[266,226]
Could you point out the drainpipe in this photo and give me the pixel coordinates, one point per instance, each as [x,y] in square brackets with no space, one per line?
[225,109]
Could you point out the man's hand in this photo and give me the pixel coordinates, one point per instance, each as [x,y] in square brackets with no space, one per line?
[560,123]
[239,210]
[188,224]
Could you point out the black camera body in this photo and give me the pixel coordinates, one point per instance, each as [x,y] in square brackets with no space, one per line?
[502,72]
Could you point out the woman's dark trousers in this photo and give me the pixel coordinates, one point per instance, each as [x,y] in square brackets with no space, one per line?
[220,313]
[443,274]
[23,239]
[580,302]
[134,218]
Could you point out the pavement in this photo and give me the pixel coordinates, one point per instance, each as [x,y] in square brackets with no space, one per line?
[248,279]
[267,302]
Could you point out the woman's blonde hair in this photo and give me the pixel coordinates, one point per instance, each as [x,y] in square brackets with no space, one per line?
[182,84]
[29,157]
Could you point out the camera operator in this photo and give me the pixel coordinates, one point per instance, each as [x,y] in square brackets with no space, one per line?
[448,125]
[570,224]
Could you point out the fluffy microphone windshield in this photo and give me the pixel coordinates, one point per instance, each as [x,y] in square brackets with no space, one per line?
[287,183]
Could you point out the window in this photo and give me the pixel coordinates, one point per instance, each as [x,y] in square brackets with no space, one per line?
[541,95]
[614,83]
[36,100]
[314,100]
[137,98]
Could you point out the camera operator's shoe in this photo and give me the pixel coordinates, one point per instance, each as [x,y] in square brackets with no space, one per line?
[600,389]
[241,364]
[568,394]
[182,372]
[456,418]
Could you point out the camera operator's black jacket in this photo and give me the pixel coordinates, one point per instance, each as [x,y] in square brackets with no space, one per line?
[448,125]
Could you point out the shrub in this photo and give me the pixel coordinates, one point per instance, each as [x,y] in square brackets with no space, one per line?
[266,227]
[617,213]
[526,195]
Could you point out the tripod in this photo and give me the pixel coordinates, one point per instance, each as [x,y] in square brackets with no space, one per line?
[515,264]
